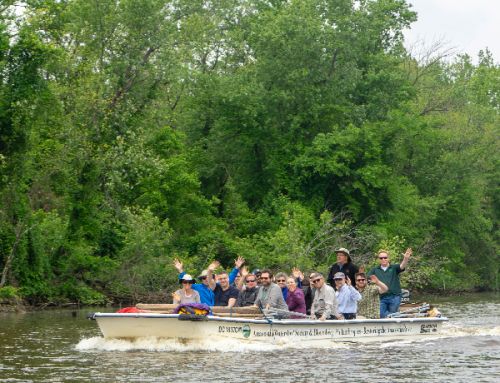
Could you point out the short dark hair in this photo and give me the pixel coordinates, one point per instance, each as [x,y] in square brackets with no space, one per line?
[360,275]
[267,271]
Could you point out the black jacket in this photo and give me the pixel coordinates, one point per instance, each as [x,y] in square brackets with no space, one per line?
[349,269]
[247,297]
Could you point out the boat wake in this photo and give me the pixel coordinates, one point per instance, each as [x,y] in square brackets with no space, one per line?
[178,345]
[453,330]
[234,345]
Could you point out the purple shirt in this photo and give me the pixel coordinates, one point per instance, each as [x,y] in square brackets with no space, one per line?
[296,301]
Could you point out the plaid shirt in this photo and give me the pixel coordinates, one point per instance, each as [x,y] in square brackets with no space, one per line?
[369,305]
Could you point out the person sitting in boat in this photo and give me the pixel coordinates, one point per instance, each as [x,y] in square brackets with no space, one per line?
[347,296]
[308,293]
[224,293]
[270,295]
[248,294]
[389,275]
[369,304]
[343,265]
[280,279]
[295,298]
[186,294]
[207,285]
[257,273]
[324,305]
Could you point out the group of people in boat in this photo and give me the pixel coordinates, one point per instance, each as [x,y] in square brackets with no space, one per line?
[347,292]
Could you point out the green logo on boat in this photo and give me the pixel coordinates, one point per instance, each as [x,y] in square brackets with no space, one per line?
[246,331]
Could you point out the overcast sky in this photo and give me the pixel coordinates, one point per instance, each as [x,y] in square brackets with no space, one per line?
[466,25]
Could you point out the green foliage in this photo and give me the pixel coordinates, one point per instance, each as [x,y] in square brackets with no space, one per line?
[9,293]
[133,132]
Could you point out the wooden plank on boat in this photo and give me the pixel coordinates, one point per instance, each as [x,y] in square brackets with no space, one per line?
[168,307]
[236,310]
[156,307]
[236,315]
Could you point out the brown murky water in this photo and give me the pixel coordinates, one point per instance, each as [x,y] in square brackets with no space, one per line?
[56,346]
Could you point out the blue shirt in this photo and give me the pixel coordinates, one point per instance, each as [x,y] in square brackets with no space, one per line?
[347,299]
[206,294]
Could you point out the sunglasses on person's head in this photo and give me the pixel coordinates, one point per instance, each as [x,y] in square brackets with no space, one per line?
[382,257]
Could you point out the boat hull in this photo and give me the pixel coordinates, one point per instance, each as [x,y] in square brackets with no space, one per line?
[139,325]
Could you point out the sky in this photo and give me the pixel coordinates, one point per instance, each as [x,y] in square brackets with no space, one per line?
[467,26]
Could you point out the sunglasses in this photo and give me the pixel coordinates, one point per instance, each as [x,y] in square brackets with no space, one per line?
[281,280]
[250,280]
[338,279]
[316,280]
[203,278]
[360,280]
[382,257]
[186,282]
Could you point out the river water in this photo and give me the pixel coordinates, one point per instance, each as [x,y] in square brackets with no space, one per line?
[63,346]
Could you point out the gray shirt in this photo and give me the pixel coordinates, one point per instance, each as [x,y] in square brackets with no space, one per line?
[193,298]
[324,302]
[271,295]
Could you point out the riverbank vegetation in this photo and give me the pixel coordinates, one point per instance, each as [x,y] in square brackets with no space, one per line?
[136,131]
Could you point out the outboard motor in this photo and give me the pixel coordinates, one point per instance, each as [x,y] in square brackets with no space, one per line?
[405,296]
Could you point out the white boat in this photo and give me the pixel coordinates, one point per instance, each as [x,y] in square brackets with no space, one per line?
[270,330]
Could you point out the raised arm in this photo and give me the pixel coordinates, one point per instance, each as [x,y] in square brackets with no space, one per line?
[382,287]
[238,262]
[241,282]
[210,274]
[354,294]
[298,275]
[406,258]
[179,267]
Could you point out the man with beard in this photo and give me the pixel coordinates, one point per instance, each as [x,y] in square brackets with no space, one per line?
[270,295]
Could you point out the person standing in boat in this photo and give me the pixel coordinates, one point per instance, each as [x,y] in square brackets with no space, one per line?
[369,305]
[347,296]
[186,294]
[389,275]
[207,285]
[324,305]
[343,265]
[270,295]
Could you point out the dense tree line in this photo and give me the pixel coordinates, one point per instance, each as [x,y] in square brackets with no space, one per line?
[135,131]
